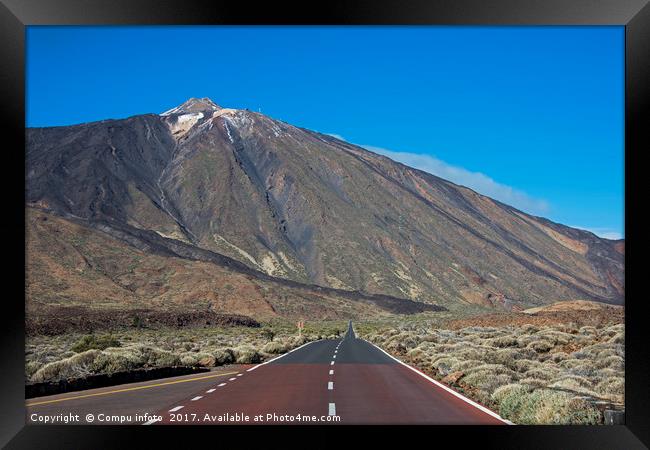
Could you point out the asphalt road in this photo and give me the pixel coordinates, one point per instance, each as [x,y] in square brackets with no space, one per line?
[343,381]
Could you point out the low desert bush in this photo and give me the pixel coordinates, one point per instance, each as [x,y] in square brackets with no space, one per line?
[75,366]
[612,385]
[534,374]
[223,356]
[275,347]
[91,341]
[545,406]
[246,354]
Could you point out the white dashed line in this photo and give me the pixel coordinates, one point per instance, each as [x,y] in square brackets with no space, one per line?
[334,356]
[330,385]
[176,408]
[240,374]
[332,372]
[332,409]
[198,397]
[210,391]
[150,421]
[221,385]
[232,379]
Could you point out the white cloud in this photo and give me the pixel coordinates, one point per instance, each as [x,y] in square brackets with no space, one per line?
[606,233]
[474,180]
[337,136]
[479,182]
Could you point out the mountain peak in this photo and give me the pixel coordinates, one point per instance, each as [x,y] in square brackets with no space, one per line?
[193,105]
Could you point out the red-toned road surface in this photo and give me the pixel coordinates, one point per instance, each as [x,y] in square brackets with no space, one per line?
[346,381]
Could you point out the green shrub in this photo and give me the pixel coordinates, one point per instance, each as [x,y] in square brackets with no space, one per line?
[559,356]
[444,364]
[541,373]
[224,356]
[91,341]
[618,338]
[504,341]
[463,366]
[31,367]
[247,355]
[542,346]
[613,362]
[546,406]
[267,334]
[612,385]
[189,359]
[275,347]
[534,383]
[486,380]
[509,389]
[114,362]
[78,365]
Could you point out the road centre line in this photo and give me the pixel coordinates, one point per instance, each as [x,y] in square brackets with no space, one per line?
[332,409]
[330,385]
[128,389]
[222,384]
[210,391]
[332,372]
[198,397]
[176,408]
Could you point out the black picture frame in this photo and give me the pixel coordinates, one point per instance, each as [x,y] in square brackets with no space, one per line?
[16,14]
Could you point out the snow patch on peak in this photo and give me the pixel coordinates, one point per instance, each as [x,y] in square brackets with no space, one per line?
[192,117]
[180,125]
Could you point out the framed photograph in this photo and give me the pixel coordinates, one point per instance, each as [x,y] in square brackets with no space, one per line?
[274,219]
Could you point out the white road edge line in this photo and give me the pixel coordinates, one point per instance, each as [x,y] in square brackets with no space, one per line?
[210,391]
[330,385]
[448,389]
[332,409]
[281,356]
[198,397]
[176,408]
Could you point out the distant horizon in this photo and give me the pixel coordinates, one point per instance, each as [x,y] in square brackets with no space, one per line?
[530,116]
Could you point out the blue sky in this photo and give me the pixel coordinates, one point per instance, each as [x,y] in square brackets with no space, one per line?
[531,116]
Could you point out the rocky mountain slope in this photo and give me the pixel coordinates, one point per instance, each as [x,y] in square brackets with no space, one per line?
[99,271]
[302,206]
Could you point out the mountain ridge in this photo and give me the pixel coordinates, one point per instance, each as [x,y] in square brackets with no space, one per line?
[307,207]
